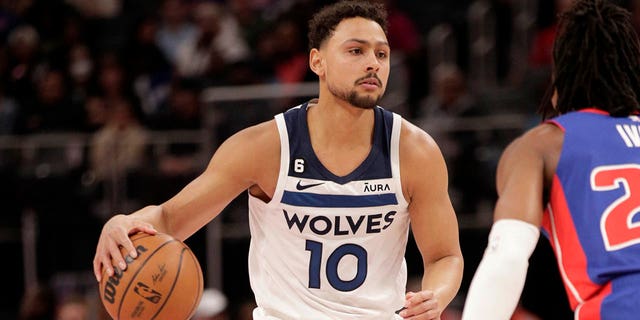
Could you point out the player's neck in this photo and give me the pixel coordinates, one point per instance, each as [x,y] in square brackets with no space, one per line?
[337,122]
[341,137]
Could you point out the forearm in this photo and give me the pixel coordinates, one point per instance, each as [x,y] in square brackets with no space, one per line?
[443,277]
[498,282]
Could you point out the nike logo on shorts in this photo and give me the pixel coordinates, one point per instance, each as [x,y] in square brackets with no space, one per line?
[301,187]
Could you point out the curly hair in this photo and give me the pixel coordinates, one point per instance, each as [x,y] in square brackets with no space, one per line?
[323,24]
[596,57]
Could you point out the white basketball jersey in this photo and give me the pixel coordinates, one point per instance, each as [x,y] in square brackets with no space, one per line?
[329,247]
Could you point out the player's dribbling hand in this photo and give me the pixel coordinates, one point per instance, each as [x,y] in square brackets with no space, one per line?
[115,234]
[421,305]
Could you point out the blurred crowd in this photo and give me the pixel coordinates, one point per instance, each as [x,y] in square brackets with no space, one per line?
[121,71]
[80,65]
[70,65]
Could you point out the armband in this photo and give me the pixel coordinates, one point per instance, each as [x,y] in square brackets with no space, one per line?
[497,284]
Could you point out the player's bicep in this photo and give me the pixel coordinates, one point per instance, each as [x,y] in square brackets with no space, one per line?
[520,182]
[230,171]
[433,219]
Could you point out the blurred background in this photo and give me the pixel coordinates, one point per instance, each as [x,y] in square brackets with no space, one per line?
[108,105]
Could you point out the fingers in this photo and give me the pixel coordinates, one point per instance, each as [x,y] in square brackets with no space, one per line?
[420,305]
[417,297]
[102,261]
[97,268]
[114,236]
[116,255]
[139,227]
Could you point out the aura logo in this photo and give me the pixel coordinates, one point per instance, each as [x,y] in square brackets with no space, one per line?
[148,293]
[376,187]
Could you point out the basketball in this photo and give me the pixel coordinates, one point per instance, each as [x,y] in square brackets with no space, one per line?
[163,282]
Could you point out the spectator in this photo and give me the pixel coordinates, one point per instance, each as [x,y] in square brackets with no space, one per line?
[184,110]
[150,71]
[175,29]
[120,146]
[60,44]
[114,83]
[80,69]
[51,110]
[219,44]
[184,113]
[24,47]
[249,18]
[95,112]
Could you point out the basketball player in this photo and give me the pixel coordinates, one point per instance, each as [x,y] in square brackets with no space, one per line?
[334,185]
[577,176]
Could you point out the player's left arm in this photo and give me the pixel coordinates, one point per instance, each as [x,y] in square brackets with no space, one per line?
[433,222]
[524,175]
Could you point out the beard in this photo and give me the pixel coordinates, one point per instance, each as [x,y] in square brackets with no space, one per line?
[355,99]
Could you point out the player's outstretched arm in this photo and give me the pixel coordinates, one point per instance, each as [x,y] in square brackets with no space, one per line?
[524,172]
[433,222]
[239,163]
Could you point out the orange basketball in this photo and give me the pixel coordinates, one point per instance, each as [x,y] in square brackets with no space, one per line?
[163,282]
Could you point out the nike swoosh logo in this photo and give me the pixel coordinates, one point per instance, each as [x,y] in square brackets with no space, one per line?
[301,187]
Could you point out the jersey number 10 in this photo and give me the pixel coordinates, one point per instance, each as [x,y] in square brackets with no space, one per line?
[315,263]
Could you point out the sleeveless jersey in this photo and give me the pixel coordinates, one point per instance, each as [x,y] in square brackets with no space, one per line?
[593,216]
[327,246]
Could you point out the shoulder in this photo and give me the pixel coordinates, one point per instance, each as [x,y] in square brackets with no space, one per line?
[252,154]
[259,136]
[267,129]
[536,152]
[420,160]
[543,139]
[416,144]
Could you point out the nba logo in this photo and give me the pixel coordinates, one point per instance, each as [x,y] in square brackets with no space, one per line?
[146,292]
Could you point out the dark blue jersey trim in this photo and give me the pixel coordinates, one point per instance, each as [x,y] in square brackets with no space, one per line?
[375,166]
[305,199]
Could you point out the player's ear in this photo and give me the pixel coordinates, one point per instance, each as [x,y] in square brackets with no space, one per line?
[316,62]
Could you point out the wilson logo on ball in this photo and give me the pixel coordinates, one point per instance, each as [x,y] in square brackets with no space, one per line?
[110,288]
[164,282]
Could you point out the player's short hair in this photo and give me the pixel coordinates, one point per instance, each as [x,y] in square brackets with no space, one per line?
[323,24]
[596,56]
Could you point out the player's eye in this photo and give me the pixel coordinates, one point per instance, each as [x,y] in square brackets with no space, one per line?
[355,51]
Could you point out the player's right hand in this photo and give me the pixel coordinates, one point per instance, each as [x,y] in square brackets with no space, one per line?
[115,234]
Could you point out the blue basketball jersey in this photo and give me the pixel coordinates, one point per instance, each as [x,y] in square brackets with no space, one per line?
[327,246]
[593,216]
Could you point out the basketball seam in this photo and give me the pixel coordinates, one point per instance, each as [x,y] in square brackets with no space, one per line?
[173,285]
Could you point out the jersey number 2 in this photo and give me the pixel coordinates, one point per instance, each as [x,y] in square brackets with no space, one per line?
[335,281]
[617,222]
